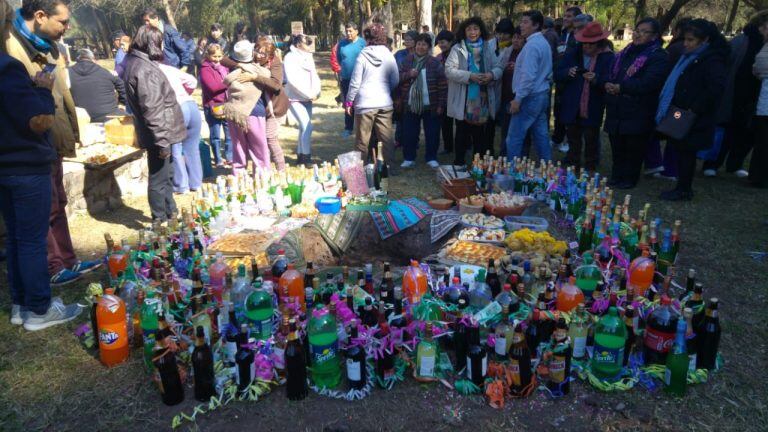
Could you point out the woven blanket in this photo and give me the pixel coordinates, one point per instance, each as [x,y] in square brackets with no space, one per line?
[339,230]
[442,223]
[400,215]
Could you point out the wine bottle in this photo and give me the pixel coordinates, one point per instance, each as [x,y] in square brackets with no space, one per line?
[382,171]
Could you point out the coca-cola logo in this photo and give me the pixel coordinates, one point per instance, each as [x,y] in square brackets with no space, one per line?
[658,341]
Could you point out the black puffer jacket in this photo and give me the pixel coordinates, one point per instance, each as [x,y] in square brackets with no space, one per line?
[157,116]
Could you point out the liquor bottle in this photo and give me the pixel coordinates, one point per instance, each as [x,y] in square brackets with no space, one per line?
[455,291]
[291,288]
[231,335]
[202,365]
[171,388]
[477,357]
[385,364]
[382,171]
[426,355]
[631,327]
[368,316]
[560,360]
[492,279]
[507,298]
[520,362]
[398,319]
[503,337]
[258,311]
[324,346]
[254,270]
[533,334]
[356,365]
[676,370]
[201,318]
[690,282]
[706,357]
[696,304]
[309,274]
[585,237]
[246,369]
[295,367]
[386,288]
[659,332]
[610,341]
[578,332]
[690,339]
[369,279]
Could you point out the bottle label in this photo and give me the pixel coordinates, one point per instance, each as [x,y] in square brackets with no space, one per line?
[113,336]
[604,356]
[323,353]
[692,362]
[353,370]
[514,369]
[657,340]
[557,369]
[483,367]
[667,376]
[230,351]
[579,346]
[427,366]
[501,346]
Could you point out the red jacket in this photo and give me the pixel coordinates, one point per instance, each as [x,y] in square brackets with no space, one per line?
[335,66]
[212,82]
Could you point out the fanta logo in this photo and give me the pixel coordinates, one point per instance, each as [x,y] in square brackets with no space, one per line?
[108,337]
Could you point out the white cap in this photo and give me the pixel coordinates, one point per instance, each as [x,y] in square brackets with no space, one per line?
[243,52]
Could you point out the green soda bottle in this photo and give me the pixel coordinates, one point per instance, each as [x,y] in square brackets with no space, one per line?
[676,371]
[258,311]
[323,348]
[610,338]
[148,316]
[588,275]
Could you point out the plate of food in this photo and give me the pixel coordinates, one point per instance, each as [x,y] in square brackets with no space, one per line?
[479,220]
[480,235]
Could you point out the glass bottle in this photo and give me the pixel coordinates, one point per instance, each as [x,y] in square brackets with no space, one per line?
[676,370]
[426,355]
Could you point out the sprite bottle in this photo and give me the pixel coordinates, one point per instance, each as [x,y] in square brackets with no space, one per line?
[610,338]
[258,310]
[324,347]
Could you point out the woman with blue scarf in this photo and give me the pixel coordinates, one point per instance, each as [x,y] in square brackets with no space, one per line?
[471,69]
[696,84]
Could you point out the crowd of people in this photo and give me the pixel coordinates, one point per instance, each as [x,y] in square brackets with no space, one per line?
[701,95]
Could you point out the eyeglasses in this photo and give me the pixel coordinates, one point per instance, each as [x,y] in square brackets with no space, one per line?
[643,32]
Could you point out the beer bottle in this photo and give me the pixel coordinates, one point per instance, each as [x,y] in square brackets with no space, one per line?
[710,338]
[520,362]
[477,357]
[171,388]
[202,364]
[560,360]
[295,366]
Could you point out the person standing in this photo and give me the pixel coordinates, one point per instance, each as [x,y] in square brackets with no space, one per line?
[422,97]
[348,51]
[198,57]
[32,41]
[471,69]
[374,77]
[632,91]
[508,64]
[216,36]
[444,42]
[409,42]
[758,169]
[302,87]
[120,49]
[695,84]
[94,88]
[175,49]
[157,116]
[212,74]
[27,113]
[567,41]
[582,74]
[531,87]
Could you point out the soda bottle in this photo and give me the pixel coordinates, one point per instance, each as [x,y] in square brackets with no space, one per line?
[659,333]
[578,332]
[520,362]
[202,365]
[588,275]
[279,266]
[323,345]
[171,388]
[480,293]
[569,296]
[676,371]
[291,287]
[641,272]
[356,365]
[414,283]
[295,367]
[454,292]
[426,355]
[503,335]
[477,357]
[241,286]
[610,339]
[706,358]
[113,329]
[258,311]
[218,271]
[118,260]
[560,360]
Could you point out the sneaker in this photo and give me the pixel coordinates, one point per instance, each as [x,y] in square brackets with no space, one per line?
[742,173]
[652,171]
[433,164]
[58,313]
[83,267]
[17,316]
[563,148]
[408,164]
[64,277]
[664,177]
[346,134]
[710,173]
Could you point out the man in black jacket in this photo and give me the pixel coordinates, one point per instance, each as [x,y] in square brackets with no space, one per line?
[94,88]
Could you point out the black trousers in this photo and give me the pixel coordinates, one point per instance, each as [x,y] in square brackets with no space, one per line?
[737,142]
[758,167]
[588,138]
[160,185]
[627,152]
[686,166]
[559,132]
[446,127]
[470,137]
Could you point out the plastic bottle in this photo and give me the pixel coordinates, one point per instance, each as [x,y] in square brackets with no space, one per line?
[610,338]
[641,271]
[414,283]
[279,266]
[149,325]
[578,332]
[569,296]
[240,290]
[508,299]
[218,271]
[118,260]
[324,346]
[454,292]
[426,355]
[113,329]
[258,310]
[659,332]
[588,275]
[480,293]
[291,288]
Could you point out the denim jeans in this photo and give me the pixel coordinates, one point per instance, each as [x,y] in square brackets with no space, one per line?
[349,120]
[411,126]
[302,111]
[26,205]
[533,116]
[187,168]
[215,126]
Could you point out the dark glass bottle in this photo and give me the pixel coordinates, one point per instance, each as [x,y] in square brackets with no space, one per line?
[202,365]
[629,323]
[532,334]
[520,362]
[385,364]
[296,387]
[171,388]
[356,367]
[560,362]
[477,357]
[706,358]
[460,341]
[492,278]
[246,370]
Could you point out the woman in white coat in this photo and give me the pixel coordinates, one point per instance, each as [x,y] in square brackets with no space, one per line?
[471,69]
[302,87]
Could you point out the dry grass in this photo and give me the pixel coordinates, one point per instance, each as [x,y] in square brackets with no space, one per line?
[49,382]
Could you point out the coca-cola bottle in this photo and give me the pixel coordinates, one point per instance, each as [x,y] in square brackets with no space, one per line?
[660,332]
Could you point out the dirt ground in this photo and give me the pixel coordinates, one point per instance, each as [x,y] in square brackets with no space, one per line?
[48,381]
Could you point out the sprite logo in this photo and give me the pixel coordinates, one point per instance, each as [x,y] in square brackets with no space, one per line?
[324,353]
[108,337]
[605,357]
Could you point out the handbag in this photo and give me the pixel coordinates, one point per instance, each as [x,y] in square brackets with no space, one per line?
[676,123]
[217,111]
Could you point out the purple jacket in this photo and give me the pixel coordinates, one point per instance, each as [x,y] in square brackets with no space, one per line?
[212,81]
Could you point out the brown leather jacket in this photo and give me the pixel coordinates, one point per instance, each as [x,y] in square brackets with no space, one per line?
[157,116]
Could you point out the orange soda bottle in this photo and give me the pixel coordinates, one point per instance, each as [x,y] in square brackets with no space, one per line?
[113,328]
[414,283]
[641,271]
[291,287]
[569,296]
[118,261]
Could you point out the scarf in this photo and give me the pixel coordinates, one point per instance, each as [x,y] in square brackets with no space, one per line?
[637,64]
[477,97]
[242,97]
[416,95]
[40,44]
[668,92]
[760,67]
[584,101]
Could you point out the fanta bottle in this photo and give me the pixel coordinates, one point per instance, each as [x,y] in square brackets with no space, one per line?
[118,261]
[641,271]
[569,296]
[113,328]
[414,283]
[291,287]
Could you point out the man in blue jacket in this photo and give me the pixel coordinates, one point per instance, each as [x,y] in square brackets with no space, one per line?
[348,51]
[175,49]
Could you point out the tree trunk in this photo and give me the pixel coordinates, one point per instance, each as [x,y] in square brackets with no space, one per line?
[425,15]
[641,10]
[670,15]
[169,13]
[731,16]
[104,38]
[386,17]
